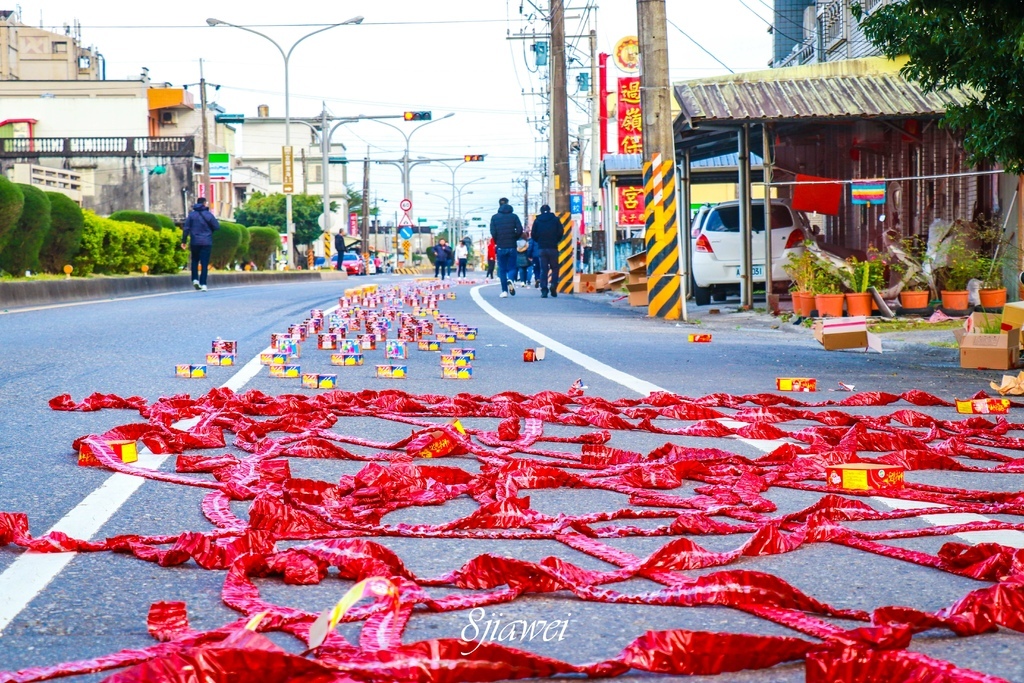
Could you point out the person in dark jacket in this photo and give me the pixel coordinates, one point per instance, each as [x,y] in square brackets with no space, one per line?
[197,233]
[534,252]
[442,258]
[506,229]
[548,233]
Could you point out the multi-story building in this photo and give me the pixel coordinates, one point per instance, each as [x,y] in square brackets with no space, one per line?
[35,54]
[813,31]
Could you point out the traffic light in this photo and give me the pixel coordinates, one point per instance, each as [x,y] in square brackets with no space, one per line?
[417,116]
[474,157]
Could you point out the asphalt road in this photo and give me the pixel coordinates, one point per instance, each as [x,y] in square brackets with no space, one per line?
[98,603]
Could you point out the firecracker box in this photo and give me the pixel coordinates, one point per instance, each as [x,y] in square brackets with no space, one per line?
[846,333]
[277,337]
[864,476]
[298,332]
[445,337]
[529,355]
[285,371]
[126,450]
[190,371]
[984,350]
[220,359]
[449,360]
[368,342]
[408,334]
[312,327]
[392,371]
[983,406]
[273,358]
[326,341]
[312,380]
[451,296]
[426,327]
[457,373]
[396,349]
[1013,316]
[224,346]
[349,346]
[316,313]
[355,325]
[468,334]
[699,338]
[464,351]
[796,384]
[429,345]
[347,359]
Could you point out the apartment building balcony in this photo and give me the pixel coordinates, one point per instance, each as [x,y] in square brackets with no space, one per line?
[95,147]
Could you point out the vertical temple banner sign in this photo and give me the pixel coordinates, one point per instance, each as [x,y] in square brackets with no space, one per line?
[220,168]
[287,170]
[868,192]
[630,121]
[630,205]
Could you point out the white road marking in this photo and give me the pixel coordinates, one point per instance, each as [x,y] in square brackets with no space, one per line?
[1011,538]
[32,572]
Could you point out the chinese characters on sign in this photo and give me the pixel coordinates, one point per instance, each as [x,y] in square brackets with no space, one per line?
[631,206]
[287,170]
[631,139]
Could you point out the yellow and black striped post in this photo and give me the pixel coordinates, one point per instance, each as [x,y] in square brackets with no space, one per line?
[662,239]
[566,259]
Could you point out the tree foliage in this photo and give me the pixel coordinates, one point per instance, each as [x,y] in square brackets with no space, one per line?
[141,217]
[65,235]
[269,210]
[11,202]
[225,244]
[263,242]
[21,252]
[975,45]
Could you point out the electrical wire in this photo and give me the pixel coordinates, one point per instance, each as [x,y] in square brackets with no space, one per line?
[58,29]
[704,49]
[769,24]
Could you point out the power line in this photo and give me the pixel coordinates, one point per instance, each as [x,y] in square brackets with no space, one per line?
[769,24]
[57,29]
[704,49]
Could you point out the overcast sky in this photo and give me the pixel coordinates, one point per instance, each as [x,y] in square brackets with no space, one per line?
[450,56]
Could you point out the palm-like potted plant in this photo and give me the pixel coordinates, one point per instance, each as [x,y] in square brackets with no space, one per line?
[800,269]
[861,276]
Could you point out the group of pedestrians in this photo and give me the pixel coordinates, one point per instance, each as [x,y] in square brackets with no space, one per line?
[515,253]
[444,257]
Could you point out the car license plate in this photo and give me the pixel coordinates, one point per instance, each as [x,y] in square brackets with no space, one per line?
[758,271]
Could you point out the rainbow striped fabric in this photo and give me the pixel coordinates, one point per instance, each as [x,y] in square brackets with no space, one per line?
[868,192]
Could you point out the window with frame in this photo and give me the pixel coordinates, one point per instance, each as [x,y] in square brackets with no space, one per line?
[59,47]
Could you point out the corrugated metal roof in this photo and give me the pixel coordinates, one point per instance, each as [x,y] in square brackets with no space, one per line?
[850,89]
[725,161]
[623,163]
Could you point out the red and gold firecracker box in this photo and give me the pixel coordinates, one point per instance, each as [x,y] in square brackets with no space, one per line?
[312,380]
[273,358]
[429,345]
[285,371]
[465,372]
[699,338]
[392,371]
[126,450]
[326,342]
[368,342]
[190,371]
[347,359]
[796,384]
[864,476]
[445,337]
[224,359]
[436,444]
[464,351]
[529,356]
[224,346]
[983,406]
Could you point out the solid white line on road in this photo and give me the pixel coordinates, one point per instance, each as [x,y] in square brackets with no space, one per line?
[636,384]
[1014,539]
[32,572]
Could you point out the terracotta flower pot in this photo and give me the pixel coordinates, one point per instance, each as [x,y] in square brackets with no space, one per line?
[858,303]
[992,298]
[803,303]
[914,299]
[955,301]
[829,305]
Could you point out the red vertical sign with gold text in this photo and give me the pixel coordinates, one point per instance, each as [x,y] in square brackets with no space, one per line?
[630,121]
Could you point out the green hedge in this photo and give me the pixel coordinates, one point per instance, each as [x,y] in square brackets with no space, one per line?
[141,217]
[12,199]
[65,236]
[242,253]
[112,247]
[165,221]
[225,244]
[263,243]
[21,252]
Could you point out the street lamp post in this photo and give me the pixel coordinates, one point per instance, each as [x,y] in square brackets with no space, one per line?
[289,225]
[457,195]
[405,157]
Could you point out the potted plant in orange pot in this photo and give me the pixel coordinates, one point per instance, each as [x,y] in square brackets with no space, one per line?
[828,292]
[909,261]
[800,269]
[859,278]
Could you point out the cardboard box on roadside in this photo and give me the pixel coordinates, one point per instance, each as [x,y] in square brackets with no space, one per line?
[589,283]
[637,294]
[1013,316]
[616,279]
[979,350]
[637,261]
[846,333]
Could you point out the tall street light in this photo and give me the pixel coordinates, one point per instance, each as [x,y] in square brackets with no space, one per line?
[457,192]
[289,225]
[405,157]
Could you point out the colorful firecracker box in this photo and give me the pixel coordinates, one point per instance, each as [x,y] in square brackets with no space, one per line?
[426,327]
[368,342]
[464,372]
[339,331]
[326,341]
[465,351]
[190,371]
[796,384]
[224,346]
[864,476]
[450,360]
[529,356]
[312,380]
[445,337]
[273,358]
[435,444]
[276,338]
[349,346]
[220,359]
[429,345]
[288,346]
[392,371]
[467,334]
[355,325]
[298,332]
[316,313]
[127,451]
[285,371]
[346,359]
[379,335]
[451,295]
[312,327]
[699,338]
[395,350]
[408,334]
[983,406]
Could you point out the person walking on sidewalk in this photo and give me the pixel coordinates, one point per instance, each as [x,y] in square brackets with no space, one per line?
[491,256]
[461,258]
[197,233]
[442,257]
[506,229]
[548,233]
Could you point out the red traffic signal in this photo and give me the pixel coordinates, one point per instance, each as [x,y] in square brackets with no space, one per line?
[417,116]
[474,157]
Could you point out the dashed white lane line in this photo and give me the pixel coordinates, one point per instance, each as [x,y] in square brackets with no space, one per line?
[32,572]
[1009,538]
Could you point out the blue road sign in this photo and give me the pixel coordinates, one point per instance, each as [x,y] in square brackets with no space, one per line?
[405,232]
[576,203]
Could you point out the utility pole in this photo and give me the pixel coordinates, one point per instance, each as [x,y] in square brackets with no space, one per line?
[366,206]
[206,134]
[325,150]
[526,199]
[559,109]
[595,140]
[655,88]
